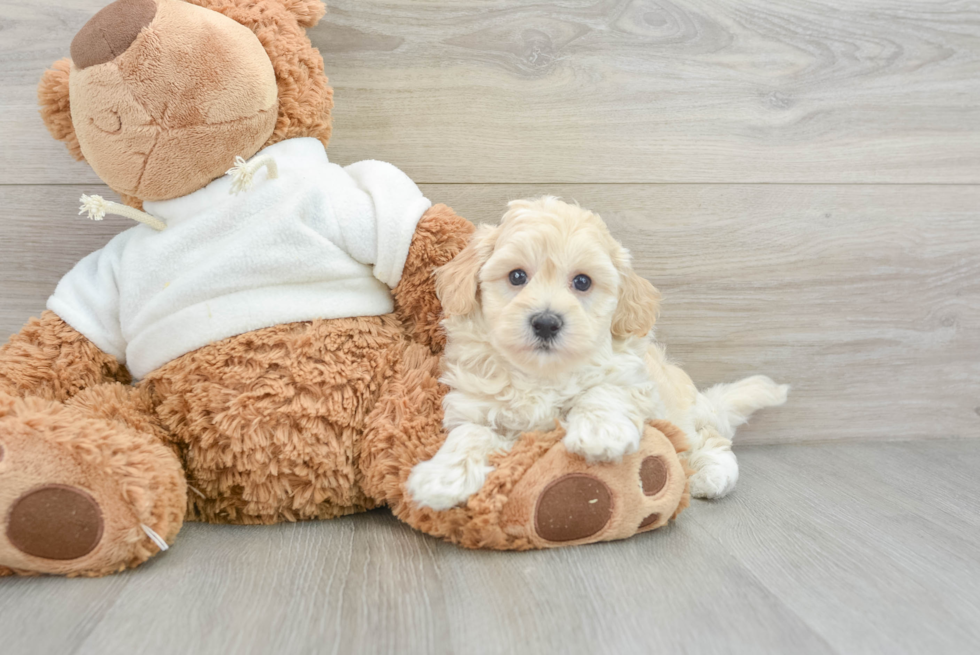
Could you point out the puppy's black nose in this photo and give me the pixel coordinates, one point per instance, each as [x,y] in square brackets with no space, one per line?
[546,325]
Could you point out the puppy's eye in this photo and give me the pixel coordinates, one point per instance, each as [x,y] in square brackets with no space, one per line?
[517,277]
[582,282]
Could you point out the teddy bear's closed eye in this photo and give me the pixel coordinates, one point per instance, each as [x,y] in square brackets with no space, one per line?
[182,100]
[108,122]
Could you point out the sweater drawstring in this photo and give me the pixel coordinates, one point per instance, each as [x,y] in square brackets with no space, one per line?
[242,178]
[243,172]
[97,207]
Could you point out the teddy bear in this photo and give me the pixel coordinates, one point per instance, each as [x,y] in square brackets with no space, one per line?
[264,346]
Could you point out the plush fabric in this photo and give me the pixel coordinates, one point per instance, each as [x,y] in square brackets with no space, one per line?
[304,96]
[290,417]
[437,241]
[319,241]
[100,443]
[55,107]
[111,31]
[50,360]
[142,118]
[299,421]
[269,422]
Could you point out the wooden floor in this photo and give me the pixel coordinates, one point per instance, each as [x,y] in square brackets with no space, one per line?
[824,548]
[801,179]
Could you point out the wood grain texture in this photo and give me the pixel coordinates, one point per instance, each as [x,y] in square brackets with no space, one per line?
[860,286]
[865,298]
[823,548]
[604,90]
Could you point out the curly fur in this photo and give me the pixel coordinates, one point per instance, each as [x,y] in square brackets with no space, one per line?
[268,422]
[50,360]
[100,441]
[440,236]
[52,96]
[406,427]
[506,379]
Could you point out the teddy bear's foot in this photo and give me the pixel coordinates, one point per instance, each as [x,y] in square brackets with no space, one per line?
[561,500]
[81,495]
[538,495]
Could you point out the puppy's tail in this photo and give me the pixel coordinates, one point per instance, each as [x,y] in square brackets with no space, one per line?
[727,406]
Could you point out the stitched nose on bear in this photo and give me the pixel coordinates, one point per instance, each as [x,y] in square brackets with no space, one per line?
[110,32]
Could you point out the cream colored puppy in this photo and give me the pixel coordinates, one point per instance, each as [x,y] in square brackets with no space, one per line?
[545,321]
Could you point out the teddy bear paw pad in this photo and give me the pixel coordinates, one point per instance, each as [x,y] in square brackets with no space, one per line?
[64,507]
[653,475]
[563,500]
[574,506]
[56,522]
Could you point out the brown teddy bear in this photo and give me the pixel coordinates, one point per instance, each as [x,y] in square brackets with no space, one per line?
[265,346]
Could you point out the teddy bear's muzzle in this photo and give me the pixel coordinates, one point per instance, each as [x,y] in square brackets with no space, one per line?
[111,31]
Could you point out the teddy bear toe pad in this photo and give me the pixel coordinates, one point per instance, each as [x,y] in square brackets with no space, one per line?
[653,475]
[575,506]
[55,521]
[561,500]
[58,515]
[77,494]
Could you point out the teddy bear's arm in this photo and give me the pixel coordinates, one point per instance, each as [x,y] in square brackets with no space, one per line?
[50,359]
[439,237]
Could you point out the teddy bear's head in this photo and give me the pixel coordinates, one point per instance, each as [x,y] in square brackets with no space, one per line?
[161,96]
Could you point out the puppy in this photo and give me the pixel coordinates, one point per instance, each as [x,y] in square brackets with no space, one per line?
[546,321]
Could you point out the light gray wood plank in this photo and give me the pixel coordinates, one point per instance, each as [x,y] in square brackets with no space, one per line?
[902,469]
[635,596]
[865,298]
[861,563]
[806,557]
[54,615]
[363,584]
[611,91]
[370,585]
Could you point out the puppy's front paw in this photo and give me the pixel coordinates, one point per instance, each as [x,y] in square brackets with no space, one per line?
[714,476]
[601,437]
[442,485]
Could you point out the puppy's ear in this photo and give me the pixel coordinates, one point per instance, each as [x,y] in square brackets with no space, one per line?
[52,96]
[639,304]
[458,282]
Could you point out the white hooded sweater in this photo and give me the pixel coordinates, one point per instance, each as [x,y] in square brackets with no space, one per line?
[320,241]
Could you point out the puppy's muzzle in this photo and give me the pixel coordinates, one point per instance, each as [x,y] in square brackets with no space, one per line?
[546,326]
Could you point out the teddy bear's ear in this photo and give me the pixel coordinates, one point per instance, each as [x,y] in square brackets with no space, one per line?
[52,95]
[305,96]
[307,12]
